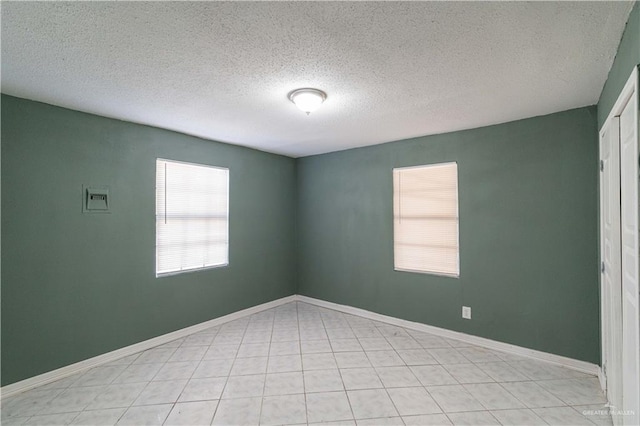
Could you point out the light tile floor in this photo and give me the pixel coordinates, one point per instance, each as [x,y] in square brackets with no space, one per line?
[301,364]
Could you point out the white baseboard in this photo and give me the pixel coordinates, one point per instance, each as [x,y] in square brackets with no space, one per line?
[603,380]
[60,373]
[574,364]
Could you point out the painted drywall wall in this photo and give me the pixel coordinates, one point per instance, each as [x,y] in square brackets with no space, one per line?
[627,57]
[528,233]
[77,285]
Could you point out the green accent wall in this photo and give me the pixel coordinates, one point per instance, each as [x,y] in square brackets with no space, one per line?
[627,57]
[528,208]
[78,285]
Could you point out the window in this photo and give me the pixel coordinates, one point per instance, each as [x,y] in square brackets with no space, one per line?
[192,217]
[425,217]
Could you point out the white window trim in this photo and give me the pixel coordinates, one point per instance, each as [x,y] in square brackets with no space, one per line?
[418,271]
[203,268]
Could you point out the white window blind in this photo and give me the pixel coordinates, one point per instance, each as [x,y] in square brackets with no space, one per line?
[192,216]
[425,210]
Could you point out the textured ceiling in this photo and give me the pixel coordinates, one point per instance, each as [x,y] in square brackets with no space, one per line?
[391,70]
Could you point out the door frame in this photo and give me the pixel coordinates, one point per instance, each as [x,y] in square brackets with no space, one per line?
[629,93]
[610,374]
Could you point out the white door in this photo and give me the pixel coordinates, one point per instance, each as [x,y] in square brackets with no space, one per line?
[630,258]
[620,254]
[611,303]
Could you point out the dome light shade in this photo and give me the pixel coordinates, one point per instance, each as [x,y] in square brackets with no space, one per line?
[308,100]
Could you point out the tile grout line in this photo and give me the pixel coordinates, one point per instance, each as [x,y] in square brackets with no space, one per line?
[78,413]
[395,407]
[409,367]
[151,380]
[353,416]
[107,386]
[266,369]
[335,323]
[191,376]
[304,390]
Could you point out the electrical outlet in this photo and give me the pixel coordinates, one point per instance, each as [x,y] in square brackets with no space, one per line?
[466,312]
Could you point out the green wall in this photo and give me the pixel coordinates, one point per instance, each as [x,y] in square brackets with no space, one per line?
[528,233]
[78,285]
[627,57]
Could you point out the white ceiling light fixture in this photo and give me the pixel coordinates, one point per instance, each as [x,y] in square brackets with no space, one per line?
[307,99]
